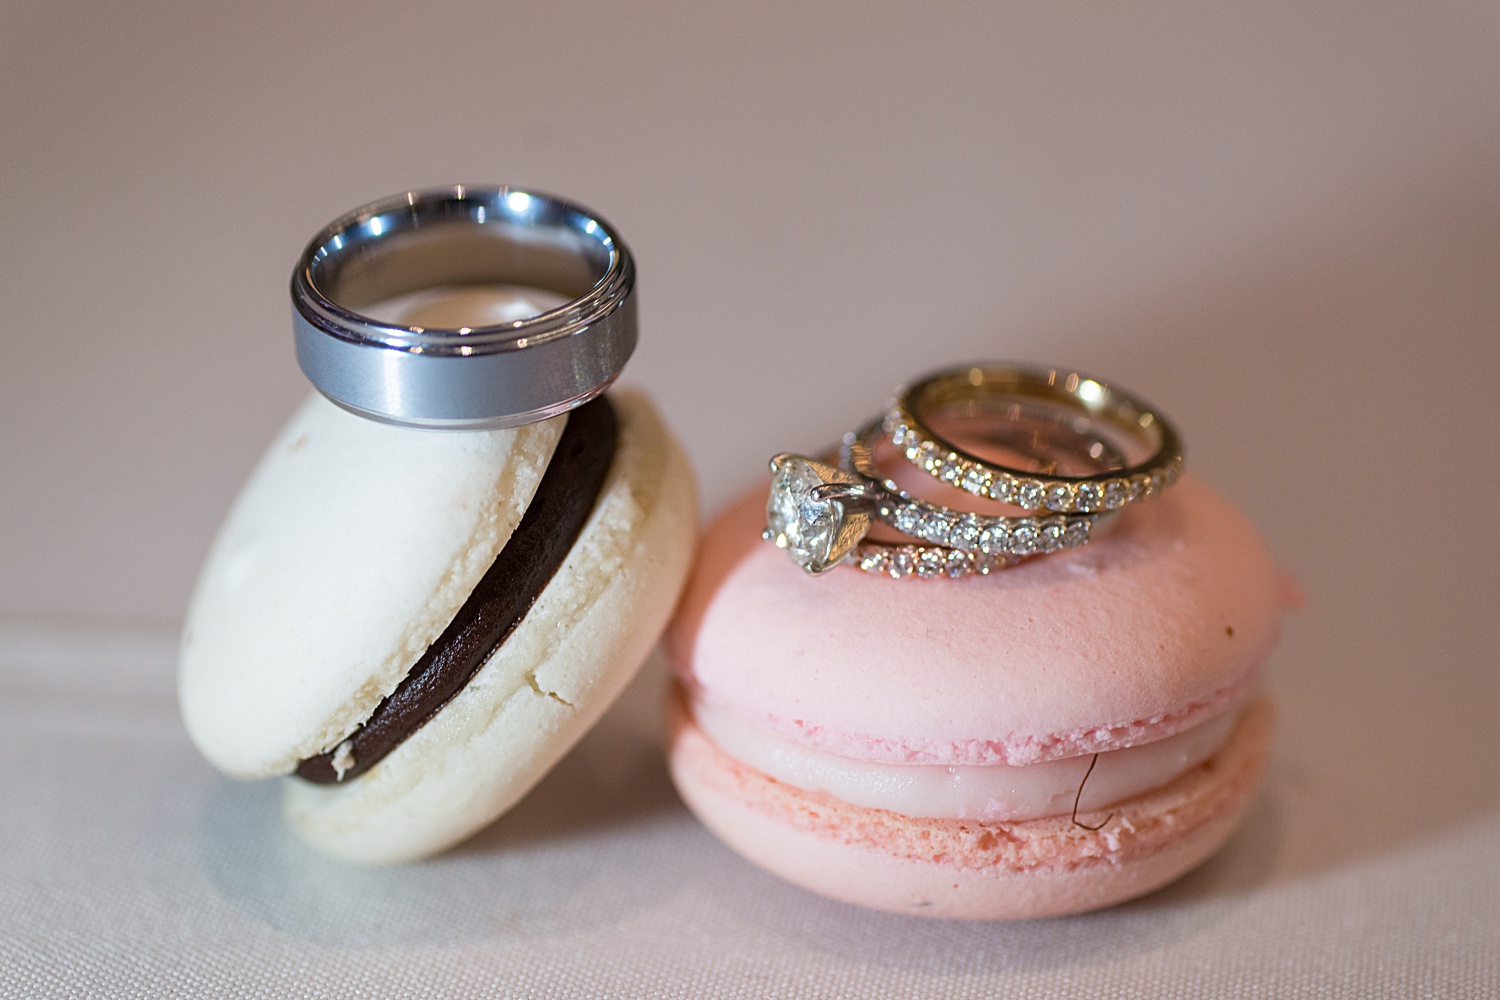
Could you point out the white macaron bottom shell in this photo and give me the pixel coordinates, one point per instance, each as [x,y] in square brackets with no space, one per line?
[581,643]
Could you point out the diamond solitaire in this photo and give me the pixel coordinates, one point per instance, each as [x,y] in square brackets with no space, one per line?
[808,513]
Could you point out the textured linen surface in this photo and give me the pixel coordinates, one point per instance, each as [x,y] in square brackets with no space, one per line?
[130,869]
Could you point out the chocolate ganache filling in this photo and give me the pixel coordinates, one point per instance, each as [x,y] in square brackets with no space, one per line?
[552,522]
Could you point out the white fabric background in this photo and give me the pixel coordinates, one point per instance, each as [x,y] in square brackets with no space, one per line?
[1279,223]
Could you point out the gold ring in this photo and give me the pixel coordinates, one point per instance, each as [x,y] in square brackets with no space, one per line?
[1152,448]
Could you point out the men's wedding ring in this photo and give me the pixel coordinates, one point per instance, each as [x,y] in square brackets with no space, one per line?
[464,378]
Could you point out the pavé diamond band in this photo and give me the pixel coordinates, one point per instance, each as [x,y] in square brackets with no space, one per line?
[1100,410]
[969,532]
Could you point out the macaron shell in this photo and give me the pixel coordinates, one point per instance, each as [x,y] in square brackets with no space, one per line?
[1158,624]
[579,645]
[349,550]
[966,870]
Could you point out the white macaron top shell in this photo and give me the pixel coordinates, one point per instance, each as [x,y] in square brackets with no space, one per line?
[350,549]
[536,695]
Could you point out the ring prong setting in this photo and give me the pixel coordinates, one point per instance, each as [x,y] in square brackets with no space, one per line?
[814,511]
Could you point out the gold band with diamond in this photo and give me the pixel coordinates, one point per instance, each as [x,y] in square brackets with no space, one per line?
[1097,406]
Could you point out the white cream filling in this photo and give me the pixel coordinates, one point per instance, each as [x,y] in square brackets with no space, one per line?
[986,793]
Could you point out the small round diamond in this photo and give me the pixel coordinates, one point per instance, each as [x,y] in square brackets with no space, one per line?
[1023,540]
[1058,497]
[1051,537]
[957,564]
[935,527]
[1076,534]
[875,561]
[965,533]
[1136,488]
[1028,494]
[908,520]
[903,562]
[977,480]
[1116,494]
[1090,496]
[1002,488]
[992,540]
[930,563]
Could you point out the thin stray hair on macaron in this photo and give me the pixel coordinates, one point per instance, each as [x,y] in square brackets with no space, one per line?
[1079,796]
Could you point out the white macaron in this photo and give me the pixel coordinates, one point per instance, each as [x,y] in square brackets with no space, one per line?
[362,560]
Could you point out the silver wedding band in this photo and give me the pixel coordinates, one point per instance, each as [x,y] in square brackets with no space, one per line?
[469,377]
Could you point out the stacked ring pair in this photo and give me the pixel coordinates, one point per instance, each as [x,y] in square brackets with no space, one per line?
[821,513]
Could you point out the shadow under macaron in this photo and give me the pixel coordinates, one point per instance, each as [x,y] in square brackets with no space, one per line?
[569,855]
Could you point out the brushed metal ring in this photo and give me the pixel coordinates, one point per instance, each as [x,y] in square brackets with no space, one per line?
[469,377]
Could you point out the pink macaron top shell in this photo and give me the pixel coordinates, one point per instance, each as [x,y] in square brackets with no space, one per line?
[1157,625]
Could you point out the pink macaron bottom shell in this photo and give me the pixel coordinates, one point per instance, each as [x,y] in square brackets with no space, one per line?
[965,869]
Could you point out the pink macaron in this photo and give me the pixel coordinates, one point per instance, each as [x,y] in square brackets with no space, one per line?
[1057,737]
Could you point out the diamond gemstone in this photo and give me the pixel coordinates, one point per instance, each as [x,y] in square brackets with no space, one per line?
[1028,494]
[929,563]
[908,520]
[1090,496]
[903,562]
[1058,497]
[1001,488]
[957,564]
[1023,540]
[804,526]
[965,533]
[1051,537]
[935,527]
[1116,494]
[1076,534]
[992,539]
[977,481]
